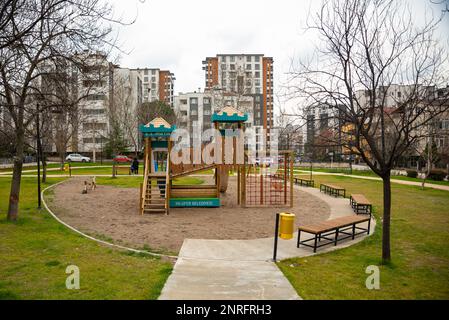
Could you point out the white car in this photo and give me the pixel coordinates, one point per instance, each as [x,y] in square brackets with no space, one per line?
[76,157]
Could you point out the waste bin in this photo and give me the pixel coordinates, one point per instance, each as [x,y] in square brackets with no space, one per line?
[286,225]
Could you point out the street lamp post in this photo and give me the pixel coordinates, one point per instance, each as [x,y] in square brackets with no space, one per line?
[38,156]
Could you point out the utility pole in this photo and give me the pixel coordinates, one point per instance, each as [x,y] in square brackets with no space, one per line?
[38,156]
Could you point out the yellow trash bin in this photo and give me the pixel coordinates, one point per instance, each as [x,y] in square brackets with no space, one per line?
[286,225]
[66,167]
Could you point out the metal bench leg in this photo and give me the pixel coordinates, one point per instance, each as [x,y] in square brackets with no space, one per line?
[315,244]
[353,231]
[299,237]
[336,237]
[369,225]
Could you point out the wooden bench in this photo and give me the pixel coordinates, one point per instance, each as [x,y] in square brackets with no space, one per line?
[122,170]
[360,203]
[304,182]
[333,190]
[330,231]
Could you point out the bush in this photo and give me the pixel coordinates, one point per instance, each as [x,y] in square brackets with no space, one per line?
[437,175]
[412,173]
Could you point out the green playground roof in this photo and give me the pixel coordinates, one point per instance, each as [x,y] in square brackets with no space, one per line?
[229,114]
[157,127]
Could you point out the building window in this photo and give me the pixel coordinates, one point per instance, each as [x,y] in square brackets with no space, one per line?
[206,100]
[96,97]
[232,66]
[257,74]
[232,58]
[145,72]
[257,90]
[223,66]
[257,66]
[248,58]
[94,126]
[193,100]
[248,66]
[93,111]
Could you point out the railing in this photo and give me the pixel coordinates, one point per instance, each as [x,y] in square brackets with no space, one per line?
[167,185]
[145,183]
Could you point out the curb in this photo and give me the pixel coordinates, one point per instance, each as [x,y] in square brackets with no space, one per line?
[92,238]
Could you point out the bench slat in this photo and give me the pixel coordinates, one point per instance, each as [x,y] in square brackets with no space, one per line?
[360,199]
[333,224]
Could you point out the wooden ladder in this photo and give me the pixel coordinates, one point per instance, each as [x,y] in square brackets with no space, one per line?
[155,200]
[156,190]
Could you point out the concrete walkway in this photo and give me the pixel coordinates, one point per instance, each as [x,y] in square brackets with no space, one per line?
[405,182]
[242,269]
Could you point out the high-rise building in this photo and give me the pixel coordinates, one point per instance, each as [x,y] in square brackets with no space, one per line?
[244,74]
[157,85]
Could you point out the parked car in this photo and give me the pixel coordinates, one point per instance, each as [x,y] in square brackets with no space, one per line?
[265,162]
[121,158]
[76,157]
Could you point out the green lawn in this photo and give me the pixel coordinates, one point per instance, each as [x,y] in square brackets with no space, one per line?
[420,255]
[35,251]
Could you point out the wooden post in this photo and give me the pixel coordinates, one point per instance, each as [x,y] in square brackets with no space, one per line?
[285,178]
[238,185]
[168,179]
[141,199]
[243,173]
[291,179]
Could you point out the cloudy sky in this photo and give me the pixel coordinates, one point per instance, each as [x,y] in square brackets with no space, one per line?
[178,34]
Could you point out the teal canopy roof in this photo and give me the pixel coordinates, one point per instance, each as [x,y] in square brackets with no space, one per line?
[229,114]
[158,127]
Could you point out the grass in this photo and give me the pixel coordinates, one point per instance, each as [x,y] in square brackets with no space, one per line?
[35,251]
[419,240]
[366,173]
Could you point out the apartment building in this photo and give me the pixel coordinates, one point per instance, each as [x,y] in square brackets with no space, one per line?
[244,74]
[95,85]
[157,85]
[194,111]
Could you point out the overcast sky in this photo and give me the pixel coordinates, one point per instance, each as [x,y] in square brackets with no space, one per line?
[178,34]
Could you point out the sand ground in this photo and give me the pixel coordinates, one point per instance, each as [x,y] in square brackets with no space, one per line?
[112,212]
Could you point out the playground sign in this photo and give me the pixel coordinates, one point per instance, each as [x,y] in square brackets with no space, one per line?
[196,202]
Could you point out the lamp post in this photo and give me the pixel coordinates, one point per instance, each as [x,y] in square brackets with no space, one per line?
[38,156]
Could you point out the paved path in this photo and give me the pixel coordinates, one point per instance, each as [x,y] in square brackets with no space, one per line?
[241,269]
[405,182]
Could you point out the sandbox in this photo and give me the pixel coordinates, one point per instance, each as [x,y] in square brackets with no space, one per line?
[112,213]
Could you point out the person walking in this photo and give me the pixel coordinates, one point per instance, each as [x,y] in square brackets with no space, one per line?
[135,166]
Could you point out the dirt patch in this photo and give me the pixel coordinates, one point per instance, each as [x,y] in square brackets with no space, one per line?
[113,213]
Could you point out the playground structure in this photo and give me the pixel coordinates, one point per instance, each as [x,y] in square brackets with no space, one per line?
[257,186]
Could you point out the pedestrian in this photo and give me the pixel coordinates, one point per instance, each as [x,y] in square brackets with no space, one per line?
[135,166]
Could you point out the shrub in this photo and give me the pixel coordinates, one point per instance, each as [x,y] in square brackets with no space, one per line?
[412,173]
[437,175]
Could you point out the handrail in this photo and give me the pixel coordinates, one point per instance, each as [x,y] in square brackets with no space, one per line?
[145,184]
[167,184]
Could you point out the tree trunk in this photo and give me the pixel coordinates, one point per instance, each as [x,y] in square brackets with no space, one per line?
[386,254]
[13,209]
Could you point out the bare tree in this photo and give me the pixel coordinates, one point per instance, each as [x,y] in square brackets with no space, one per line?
[367,47]
[52,31]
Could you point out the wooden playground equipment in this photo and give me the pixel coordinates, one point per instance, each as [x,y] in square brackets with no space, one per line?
[256,185]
